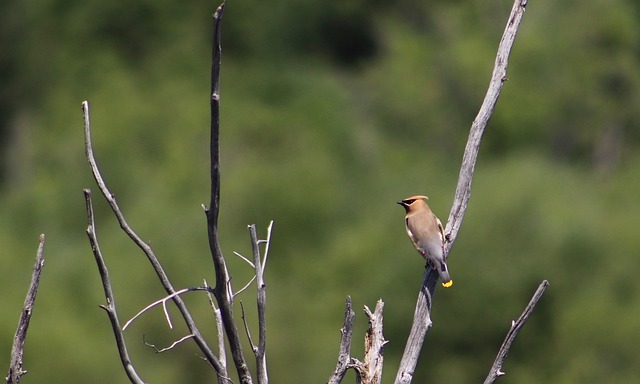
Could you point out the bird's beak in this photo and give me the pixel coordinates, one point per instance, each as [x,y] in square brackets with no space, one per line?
[401,202]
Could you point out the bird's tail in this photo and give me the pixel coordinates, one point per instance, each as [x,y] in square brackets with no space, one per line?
[443,271]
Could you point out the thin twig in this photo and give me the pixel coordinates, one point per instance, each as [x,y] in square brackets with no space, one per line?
[246,327]
[234,294]
[496,368]
[344,356]
[243,288]
[161,350]
[110,308]
[223,294]
[244,258]
[463,193]
[17,350]
[146,249]
[267,246]
[163,301]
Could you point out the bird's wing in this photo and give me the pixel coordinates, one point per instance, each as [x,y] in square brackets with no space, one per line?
[440,229]
[423,231]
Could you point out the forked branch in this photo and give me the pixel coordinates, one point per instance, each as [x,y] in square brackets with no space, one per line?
[259,267]
[222,290]
[369,370]
[421,321]
[146,249]
[110,308]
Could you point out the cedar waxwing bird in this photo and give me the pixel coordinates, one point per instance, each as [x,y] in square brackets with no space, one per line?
[426,234]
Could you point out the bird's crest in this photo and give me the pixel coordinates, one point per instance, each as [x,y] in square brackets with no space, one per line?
[410,200]
[417,197]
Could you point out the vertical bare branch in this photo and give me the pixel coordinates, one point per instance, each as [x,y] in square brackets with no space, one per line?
[110,308]
[463,192]
[146,249]
[223,293]
[496,368]
[17,350]
[373,347]
[344,356]
[260,352]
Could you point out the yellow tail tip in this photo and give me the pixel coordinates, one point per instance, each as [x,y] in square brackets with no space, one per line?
[447,284]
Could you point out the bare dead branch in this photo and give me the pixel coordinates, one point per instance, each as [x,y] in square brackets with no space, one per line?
[163,301]
[419,328]
[17,350]
[173,345]
[222,290]
[463,192]
[267,246]
[246,327]
[234,294]
[110,308]
[373,347]
[344,356]
[244,258]
[496,368]
[498,77]
[267,242]
[164,308]
[368,371]
[261,351]
[146,249]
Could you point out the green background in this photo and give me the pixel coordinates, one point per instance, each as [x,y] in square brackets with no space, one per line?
[331,112]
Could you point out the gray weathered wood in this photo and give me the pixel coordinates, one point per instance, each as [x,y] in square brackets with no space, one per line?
[422,321]
[17,350]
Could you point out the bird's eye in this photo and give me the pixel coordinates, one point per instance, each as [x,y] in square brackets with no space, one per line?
[408,201]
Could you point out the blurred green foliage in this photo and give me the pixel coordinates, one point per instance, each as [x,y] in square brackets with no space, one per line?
[330,113]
